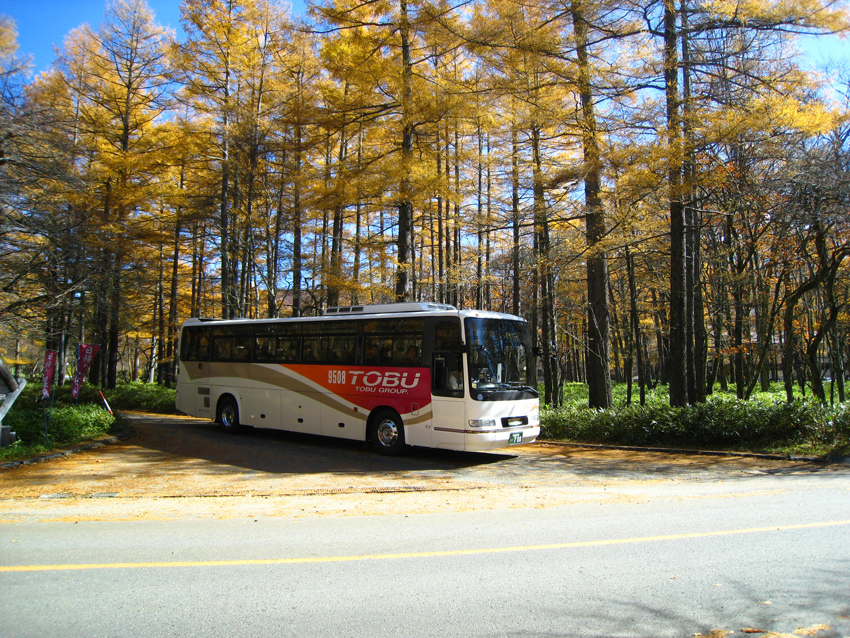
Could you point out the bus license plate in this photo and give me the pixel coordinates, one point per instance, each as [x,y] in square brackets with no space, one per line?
[516,437]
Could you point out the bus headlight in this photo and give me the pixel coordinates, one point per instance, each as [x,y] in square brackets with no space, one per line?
[482,423]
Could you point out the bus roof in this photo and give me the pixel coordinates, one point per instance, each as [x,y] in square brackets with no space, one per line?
[384,310]
[387,308]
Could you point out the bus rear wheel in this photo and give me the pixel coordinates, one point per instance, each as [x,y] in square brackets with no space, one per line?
[386,433]
[228,415]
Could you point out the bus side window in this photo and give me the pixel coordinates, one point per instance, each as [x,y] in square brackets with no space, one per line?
[310,350]
[222,348]
[202,346]
[264,349]
[408,351]
[379,350]
[287,350]
[447,335]
[341,349]
[372,353]
[195,345]
[242,349]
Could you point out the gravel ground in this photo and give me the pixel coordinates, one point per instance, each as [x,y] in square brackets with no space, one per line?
[173,467]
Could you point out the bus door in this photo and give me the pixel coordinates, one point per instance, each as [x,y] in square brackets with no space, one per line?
[447,386]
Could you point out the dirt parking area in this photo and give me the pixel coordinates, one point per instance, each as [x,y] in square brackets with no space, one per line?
[173,467]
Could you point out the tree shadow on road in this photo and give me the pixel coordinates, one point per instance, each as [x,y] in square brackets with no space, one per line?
[278,452]
[701,604]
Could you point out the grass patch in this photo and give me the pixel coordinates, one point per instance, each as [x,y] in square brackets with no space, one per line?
[765,423]
[73,422]
[145,397]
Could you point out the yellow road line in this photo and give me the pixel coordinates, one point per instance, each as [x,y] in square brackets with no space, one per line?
[457,552]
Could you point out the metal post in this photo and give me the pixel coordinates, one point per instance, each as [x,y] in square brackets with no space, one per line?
[9,395]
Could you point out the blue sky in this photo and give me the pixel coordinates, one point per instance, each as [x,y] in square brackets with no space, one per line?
[43,24]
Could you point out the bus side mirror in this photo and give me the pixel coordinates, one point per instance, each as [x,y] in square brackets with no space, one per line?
[460,348]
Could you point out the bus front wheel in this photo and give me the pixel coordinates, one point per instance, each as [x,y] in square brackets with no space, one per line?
[228,415]
[386,433]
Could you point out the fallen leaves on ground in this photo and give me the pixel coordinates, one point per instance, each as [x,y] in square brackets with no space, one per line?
[814,630]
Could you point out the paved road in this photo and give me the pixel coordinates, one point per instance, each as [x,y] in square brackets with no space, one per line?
[271,534]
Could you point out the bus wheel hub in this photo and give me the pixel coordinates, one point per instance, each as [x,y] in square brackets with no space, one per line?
[387,433]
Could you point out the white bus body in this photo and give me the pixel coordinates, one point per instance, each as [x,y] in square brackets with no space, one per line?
[396,375]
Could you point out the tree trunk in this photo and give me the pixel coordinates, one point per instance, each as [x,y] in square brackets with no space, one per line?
[440,239]
[405,205]
[697,343]
[790,341]
[515,222]
[661,340]
[677,364]
[635,323]
[837,358]
[173,328]
[541,245]
[479,221]
[598,320]
[159,323]
[297,213]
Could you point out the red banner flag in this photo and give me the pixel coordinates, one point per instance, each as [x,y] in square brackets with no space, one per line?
[86,354]
[49,369]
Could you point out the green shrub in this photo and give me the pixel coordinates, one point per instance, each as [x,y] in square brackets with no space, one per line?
[762,424]
[67,425]
[146,397]
[75,421]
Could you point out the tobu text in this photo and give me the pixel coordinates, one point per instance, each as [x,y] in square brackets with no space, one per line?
[374,381]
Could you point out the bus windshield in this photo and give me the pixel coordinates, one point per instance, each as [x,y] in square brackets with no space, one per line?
[499,359]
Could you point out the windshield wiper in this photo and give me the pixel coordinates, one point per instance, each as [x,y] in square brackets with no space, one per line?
[519,386]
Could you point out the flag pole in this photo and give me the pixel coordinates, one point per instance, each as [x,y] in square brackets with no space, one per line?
[47,390]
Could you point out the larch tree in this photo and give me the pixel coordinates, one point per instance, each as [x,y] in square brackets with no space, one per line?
[27,290]
[208,71]
[675,25]
[391,39]
[117,81]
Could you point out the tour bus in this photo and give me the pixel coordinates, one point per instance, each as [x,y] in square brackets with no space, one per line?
[395,375]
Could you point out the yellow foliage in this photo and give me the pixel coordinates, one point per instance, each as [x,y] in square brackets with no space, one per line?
[788,112]
[817,14]
[8,37]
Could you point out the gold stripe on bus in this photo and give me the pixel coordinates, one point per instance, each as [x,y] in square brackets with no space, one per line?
[285,379]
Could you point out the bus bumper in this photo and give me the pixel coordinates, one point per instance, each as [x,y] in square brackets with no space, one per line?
[494,439]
